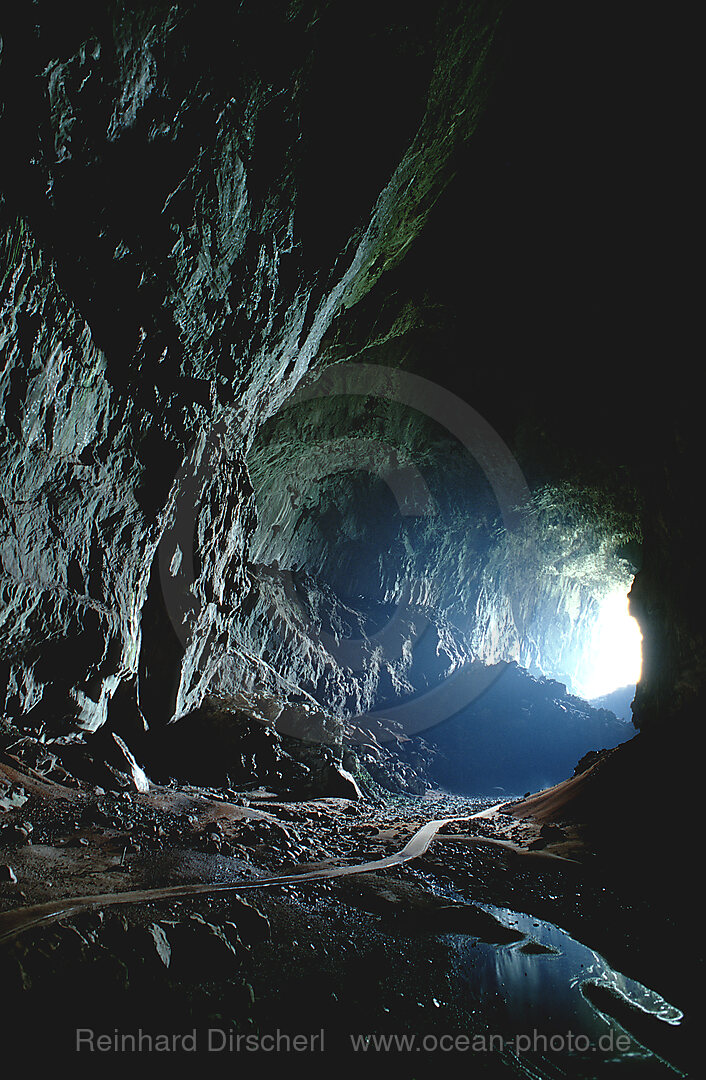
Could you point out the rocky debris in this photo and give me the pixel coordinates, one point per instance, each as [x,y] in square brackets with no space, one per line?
[200,950]
[414,908]
[244,918]
[40,757]
[552,832]
[81,761]
[12,796]
[548,834]
[139,777]
[325,774]
[392,774]
[341,784]
[7,874]
[522,732]
[221,744]
[156,936]
[123,823]
[188,961]
[19,832]
[130,968]
[589,759]
[394,761]
[212,837]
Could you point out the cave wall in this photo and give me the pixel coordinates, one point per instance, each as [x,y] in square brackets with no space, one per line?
[522,586]
[200,207]
[191,195]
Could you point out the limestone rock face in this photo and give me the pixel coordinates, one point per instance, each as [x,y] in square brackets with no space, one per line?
[522,733]
[203,213]
[191,196]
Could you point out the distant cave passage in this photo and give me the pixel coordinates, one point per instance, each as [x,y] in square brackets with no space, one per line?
[388,607]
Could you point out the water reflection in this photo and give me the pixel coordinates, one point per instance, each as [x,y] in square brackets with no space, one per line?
[535,991]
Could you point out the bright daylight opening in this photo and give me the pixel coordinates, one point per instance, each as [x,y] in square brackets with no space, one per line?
[613,658]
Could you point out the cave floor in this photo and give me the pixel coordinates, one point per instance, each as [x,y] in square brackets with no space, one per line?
[486,943]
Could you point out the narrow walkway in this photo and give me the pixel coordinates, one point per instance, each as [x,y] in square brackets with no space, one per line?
[14,922]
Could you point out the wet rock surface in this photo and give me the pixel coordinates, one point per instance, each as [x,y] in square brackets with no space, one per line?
[381,949]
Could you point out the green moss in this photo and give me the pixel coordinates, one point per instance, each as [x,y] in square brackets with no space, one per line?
[616,512]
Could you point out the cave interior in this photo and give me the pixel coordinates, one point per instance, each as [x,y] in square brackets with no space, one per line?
[350,480]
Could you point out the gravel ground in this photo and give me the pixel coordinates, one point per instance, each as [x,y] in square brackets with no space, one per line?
[368,952]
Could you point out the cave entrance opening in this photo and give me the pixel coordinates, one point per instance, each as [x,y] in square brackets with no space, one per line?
[601,661]
[613,657]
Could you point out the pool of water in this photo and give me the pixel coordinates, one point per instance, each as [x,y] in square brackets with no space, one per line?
[533,1000]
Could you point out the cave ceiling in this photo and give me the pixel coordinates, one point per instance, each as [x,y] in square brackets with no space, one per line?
[204,210]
